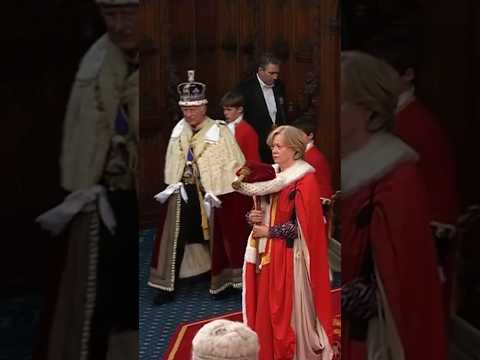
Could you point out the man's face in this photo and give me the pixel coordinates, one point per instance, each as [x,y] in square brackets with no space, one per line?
[194,115]
[122,24]
[232,113]
[269,74]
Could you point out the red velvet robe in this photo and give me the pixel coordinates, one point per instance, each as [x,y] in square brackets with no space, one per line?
[268,294]
[247,139]
[322,171]
[421,130]
[404,254]
[230,239]
[231,228]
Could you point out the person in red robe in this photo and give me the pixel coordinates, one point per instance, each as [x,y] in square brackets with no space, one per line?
[391,291]
[417,126]
[233,104]
[286,297]
[231,231]
[317,159]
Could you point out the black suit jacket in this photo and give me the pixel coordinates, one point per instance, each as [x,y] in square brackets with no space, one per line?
[256,111]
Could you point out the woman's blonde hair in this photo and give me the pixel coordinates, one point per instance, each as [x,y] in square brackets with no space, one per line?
[294,139]
[373,84]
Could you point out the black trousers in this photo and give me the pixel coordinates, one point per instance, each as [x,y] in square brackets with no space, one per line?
[190,225]
[116,305]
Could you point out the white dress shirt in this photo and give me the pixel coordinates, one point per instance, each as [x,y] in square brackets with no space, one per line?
[269,99]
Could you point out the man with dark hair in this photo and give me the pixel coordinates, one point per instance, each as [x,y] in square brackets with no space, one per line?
[233,105]
[265,101]
[422,130]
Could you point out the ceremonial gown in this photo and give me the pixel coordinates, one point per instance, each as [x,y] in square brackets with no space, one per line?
[409,323]
[421,130]
[286,296]
[314,157]
[199,170]
[231,229]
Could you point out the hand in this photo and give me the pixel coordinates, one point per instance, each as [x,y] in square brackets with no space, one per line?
[255,216]
[260,231]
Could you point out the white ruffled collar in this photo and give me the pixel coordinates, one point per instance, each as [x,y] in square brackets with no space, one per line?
[295,172]
[373,161]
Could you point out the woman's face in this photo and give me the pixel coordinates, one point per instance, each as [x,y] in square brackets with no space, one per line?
[282,154]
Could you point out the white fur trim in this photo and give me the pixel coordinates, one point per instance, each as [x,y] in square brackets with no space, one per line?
[213,134]
[193,103]
[373,161]
[224,339]
[93,60]
[178,129]
[250,254]
[298,170]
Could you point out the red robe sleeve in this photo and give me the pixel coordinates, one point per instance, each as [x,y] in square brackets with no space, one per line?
[309,212]
[404,253]
[322,171]
[420,129]
[247,139]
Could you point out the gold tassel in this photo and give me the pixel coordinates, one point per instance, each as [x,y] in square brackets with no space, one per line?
[205,226]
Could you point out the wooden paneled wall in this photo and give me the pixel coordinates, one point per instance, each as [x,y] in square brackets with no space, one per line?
[221,40]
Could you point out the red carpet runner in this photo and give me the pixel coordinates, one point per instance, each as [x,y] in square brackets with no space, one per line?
[181,342]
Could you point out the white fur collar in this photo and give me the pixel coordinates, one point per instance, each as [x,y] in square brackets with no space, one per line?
[211,136]
[298,170]
[373,161]
[93,60]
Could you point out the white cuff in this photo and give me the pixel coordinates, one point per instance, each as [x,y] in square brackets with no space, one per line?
[163,196]
[55,220]
[211,201]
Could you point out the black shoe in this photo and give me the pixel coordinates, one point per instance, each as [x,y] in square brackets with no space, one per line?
[163,297]
[223,294]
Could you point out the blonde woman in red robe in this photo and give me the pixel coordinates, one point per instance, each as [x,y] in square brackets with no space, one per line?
[391,295]
[286,297]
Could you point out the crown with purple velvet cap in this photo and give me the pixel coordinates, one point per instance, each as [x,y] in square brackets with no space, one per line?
[192,93]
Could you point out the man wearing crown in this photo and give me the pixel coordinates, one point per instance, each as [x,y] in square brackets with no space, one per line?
[201,160]
[96,298]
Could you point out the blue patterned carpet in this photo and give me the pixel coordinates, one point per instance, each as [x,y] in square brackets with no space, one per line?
[18,325]
[158,323]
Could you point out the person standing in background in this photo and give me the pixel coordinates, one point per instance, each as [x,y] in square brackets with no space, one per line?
[422,130]
[265,101]
[233,107]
